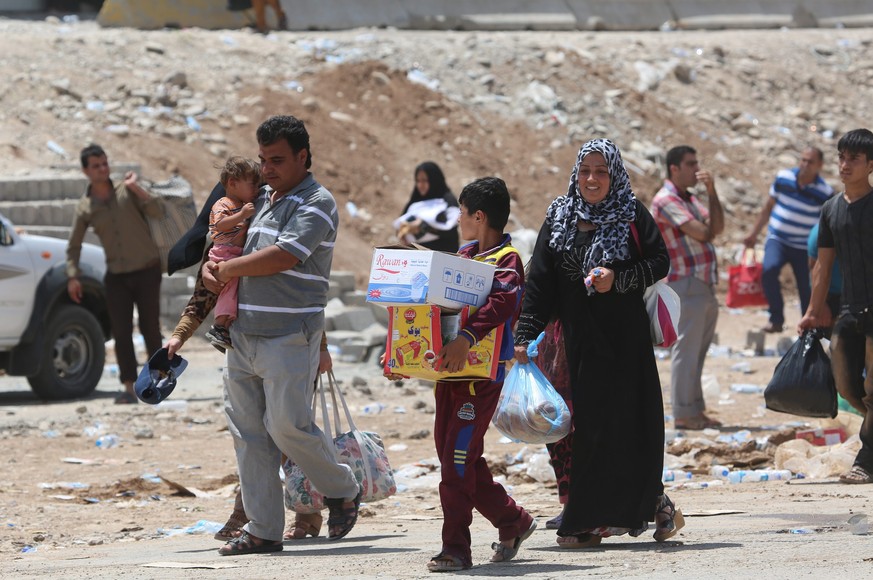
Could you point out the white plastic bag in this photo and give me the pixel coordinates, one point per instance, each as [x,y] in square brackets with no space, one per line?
[530,410]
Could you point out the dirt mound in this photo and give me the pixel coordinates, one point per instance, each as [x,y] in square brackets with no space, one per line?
[379,102]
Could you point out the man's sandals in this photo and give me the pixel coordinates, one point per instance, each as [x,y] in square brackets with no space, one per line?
[443,562]
[856,475]
[341,516]
[248,544]
[233,528]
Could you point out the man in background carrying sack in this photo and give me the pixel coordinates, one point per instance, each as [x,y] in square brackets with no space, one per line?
[845,233]
[117,212]
[688,229]
[797,196]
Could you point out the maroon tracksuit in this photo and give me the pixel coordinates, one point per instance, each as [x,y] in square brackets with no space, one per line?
[463,413]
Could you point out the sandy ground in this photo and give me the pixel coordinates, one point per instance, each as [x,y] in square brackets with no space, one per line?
[128,524]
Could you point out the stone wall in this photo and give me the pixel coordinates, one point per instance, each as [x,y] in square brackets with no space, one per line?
[500,14]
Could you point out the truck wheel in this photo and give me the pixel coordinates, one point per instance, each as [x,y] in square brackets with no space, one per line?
[73,355]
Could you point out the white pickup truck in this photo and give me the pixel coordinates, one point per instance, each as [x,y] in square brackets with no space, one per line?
[57,344]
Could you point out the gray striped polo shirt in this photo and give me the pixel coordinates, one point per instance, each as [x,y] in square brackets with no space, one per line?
[304,222]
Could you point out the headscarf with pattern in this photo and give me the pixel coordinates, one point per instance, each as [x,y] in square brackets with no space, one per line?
[612,215]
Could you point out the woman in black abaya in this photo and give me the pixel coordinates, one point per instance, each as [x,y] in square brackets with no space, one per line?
[589,272]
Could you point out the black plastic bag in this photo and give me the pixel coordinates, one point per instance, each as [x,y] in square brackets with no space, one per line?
[802,383]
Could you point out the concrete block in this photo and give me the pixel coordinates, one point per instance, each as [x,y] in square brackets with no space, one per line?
[334,290]
[735,14]
[489,15]
[374,335]
[172,306]
[342,14]
[177,285]
[345,280]
[356,319]
[353,351]
[355,298]
[622,14]
[379,312]
[339,337]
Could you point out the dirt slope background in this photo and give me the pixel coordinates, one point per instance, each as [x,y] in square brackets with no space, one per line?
[378,102]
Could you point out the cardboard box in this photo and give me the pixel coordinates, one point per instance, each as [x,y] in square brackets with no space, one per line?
[416,335]
[401,276]
[821,437]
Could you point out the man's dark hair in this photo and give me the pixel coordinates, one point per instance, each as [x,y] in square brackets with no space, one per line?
[289,128]
[92,150]
[817,151]
[490,196]
[857,141]
[677,154]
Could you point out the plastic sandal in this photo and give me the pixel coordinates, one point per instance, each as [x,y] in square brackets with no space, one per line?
[339,515]
[856,475]
[245,544]
[304,525]
[579,541]
[233,527]
[503,553]
[669,520]
[443,562]
[555,522]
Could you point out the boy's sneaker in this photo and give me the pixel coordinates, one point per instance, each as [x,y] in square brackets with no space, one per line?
[219,336]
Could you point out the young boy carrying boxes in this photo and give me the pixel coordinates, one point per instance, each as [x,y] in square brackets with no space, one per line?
[464,408]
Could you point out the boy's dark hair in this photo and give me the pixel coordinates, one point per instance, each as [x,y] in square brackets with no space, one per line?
[92,150]
[241,168]
[490,196]
[857,141]
[289,128]
[676,155]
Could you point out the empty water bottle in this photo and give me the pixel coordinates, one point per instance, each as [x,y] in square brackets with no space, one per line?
[373,408]
[675,475]
[775,474]
[107,441]
[720,471]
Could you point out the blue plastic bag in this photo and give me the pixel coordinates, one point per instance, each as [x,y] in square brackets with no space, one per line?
[530,410]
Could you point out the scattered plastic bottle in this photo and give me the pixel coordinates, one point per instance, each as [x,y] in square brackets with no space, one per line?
[373,408]
[743,476]
[107,441]
[675,475]
[720,471]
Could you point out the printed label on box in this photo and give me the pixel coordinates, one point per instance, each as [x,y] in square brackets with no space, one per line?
[401,276]
[416,335]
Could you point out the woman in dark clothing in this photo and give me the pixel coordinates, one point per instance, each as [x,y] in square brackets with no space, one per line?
[588,272]
[552,361]
[430,217]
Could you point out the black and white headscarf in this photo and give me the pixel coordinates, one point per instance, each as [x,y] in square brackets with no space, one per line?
[612,215]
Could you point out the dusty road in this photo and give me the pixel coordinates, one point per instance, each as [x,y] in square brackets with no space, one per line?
[72,510]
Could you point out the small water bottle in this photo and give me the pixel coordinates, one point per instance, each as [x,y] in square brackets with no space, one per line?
[373,408]
[675,475]
[737,476]
[107,441]
[720,471]
[777,474]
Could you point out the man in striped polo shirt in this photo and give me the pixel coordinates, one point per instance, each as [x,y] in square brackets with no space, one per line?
[793,208]
[270,373]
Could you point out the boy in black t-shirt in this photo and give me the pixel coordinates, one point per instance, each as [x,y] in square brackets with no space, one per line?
[845,233]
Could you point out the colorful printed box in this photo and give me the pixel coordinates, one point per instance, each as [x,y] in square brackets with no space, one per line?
[416,335]
[821,437]
[400,276]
